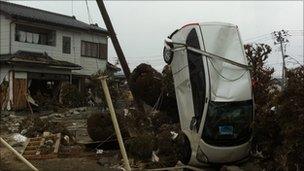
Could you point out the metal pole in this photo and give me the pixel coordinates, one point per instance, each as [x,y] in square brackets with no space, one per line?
[18,155]
[115,123]
[119,51]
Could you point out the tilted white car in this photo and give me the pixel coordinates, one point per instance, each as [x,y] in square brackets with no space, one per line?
[213,90]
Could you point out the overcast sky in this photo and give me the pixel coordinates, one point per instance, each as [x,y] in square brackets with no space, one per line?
[141,26]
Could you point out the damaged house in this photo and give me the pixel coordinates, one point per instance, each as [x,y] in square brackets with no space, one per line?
[40,50]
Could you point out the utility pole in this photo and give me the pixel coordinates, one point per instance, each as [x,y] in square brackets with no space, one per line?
[280,38]
[119,52]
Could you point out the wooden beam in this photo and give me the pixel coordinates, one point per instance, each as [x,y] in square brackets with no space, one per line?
[115,122]
[119,52]
[18,155]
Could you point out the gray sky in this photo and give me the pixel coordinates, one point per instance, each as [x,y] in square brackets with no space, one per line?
[141,26]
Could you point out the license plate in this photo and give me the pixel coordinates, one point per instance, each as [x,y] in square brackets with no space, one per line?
[226,130]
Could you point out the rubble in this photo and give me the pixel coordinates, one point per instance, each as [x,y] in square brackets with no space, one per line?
[100,127]
[166,146]
[147,83]
[141,147]
[70,96]
[156,89]
[10,122]
[35,126]
[45,146]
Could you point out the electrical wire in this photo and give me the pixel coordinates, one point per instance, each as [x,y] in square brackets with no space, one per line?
[260,39]
[88,11]
[219,73]
[72,7]
[295,60]
[257,37]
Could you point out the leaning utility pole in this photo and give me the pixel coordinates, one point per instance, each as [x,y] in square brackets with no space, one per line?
[119,52]
[280,38]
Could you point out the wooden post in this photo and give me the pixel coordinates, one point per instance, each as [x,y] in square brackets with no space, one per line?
[18,155]
[119,52]
[115,123]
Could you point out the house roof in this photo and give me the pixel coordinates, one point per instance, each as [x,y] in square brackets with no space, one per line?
[40,59]
[37,15]
[112,67]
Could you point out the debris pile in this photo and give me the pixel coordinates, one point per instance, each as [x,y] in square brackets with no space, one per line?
[33,126]
[167,143]
[95,92]
[43,147]
[141,147]
[70,96]
[100,127]
[158,140]
[156,89]
[148,137]
[47,146]
[10,122]
[147,83]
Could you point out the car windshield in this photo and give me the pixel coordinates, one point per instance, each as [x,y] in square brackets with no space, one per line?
[228,123]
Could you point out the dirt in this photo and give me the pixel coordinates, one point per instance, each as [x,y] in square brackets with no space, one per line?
[9,162]
[71,156]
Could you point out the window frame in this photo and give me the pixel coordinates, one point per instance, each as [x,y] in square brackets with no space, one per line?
[99,49]
[64,38]
[47,33]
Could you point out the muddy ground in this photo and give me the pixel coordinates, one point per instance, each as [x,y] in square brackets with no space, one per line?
[74,156]
[79,155]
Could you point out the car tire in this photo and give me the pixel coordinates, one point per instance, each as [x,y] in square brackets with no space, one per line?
[184,149]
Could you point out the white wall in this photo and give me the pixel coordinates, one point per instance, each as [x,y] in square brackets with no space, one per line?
[90,65]
[4,35]
[3,72]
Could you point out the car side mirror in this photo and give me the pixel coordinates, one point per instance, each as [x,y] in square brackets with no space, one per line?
[167,52]
[168,42]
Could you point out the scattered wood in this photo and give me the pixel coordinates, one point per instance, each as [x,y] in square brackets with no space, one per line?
[17,154]
[34,147]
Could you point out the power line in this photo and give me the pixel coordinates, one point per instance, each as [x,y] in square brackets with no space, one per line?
[256,37]
[72,7]
[295,34]
[296,30]
[88,11]
[295,60]
[260,39]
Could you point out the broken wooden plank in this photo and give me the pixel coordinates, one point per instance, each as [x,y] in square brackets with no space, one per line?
[33,149]
[57,143]
[18,155]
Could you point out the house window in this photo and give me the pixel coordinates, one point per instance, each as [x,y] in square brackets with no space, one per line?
[66,45]
[35,35]
[95,50]
[103,51]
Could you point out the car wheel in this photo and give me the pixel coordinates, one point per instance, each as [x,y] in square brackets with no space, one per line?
[184,149]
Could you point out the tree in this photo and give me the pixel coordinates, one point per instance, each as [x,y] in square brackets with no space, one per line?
[266,125]
[291,104]
[278,134]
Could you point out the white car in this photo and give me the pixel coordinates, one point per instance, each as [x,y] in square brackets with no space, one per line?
[213,90]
